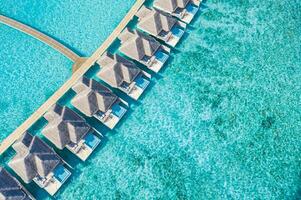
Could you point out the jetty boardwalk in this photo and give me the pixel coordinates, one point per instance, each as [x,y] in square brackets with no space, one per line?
[35,160]
[7,142]
[40,36]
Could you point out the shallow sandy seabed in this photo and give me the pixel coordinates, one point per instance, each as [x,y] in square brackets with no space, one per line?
[222,121]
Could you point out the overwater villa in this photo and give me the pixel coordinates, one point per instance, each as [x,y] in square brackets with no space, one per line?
[66,128]
[123,74]
[185,10]
[38,162]
[95,100]
[11,188]
[160,25]
[144,49]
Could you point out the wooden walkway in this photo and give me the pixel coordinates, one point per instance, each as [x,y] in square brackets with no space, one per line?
[40,36]
[67,86]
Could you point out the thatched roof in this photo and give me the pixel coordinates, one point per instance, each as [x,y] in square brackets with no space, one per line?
[92,97]
[10,188]
[137,45]
[154,22]
[115,69]
[171,5]
[64,126]
[34,157]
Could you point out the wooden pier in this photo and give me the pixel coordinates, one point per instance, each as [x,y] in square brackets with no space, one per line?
[74,78]
[40,36]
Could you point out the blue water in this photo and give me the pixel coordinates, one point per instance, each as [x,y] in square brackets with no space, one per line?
[162,57]
[118,110]
[192,9]
[142,83]
[91,140]
[61,173]
[177,31]
[31,71]
[221,121]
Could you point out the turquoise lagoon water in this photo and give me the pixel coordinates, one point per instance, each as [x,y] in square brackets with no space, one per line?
[222,121]
[30,70]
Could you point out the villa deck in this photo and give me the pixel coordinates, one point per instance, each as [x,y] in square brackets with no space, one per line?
[160,25]
[54,181]
[123,74]
[67,129]
[38,162]
[68,84]
[87,145]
